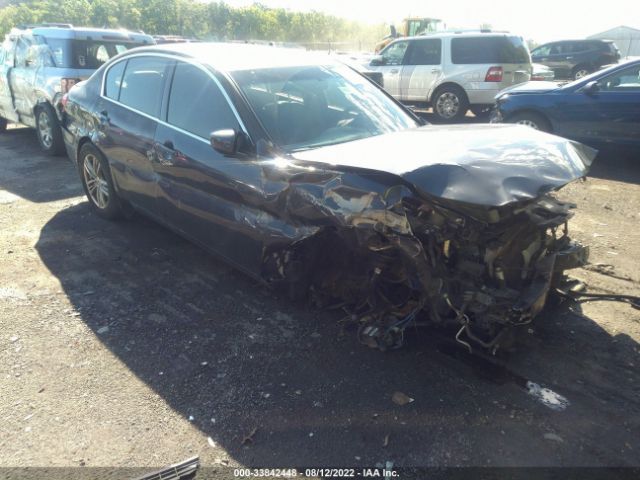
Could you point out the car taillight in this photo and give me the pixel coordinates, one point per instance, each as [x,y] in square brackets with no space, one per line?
[67,83]
[494,74]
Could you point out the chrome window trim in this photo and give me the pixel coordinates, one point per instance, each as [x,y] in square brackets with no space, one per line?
[178,59]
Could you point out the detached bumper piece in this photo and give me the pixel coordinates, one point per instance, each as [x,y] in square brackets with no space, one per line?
[180,471]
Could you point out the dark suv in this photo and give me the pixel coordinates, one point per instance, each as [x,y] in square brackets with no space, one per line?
[576,58]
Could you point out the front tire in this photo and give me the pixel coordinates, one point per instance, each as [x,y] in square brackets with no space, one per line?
[48,130]
[531,119]
[97,183]
[450,103]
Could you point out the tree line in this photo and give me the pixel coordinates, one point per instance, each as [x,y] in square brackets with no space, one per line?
[202,20]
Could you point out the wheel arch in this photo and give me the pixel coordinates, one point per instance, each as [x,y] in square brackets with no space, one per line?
[449,83]
[531,110]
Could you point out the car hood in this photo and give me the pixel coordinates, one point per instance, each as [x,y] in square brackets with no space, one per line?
[530,87]
[488,165]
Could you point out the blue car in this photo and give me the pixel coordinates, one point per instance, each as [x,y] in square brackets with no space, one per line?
[600,109]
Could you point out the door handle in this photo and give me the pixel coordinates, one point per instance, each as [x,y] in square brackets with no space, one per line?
[435,70]
[395,70]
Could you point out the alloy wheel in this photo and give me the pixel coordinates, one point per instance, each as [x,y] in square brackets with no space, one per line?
[45,130]
[581,73]
[528,123]
[96,182]
[448,105]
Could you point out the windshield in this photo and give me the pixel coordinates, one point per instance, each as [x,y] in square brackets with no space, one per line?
[89,54]
[311,106]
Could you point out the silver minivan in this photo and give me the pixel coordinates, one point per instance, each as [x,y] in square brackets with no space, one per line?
[40,63]
[453,71]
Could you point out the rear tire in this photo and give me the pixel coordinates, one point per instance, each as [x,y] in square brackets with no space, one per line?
[450,103]
[48,130]
[580,71]
[95,176]
[531,119]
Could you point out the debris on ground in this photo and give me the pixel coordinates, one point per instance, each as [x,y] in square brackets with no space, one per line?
[401,399]
[249,438]
[385,443]
[553,437]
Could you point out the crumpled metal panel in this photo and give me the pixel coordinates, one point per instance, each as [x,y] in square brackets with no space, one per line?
[479,164]
[439,225]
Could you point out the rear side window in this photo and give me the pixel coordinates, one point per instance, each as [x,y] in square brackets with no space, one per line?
[478,50]
[142,84]
[425,52]
[113,80]
[85,54]
[196,103]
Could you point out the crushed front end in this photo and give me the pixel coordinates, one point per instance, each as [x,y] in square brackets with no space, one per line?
[478,272]
[472,240]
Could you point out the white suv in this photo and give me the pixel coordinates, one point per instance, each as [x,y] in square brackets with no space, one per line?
[453,71]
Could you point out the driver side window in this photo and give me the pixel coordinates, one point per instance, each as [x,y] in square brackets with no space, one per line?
[394,53]
[628,80]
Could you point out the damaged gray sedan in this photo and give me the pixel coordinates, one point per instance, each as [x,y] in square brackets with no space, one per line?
[306,175]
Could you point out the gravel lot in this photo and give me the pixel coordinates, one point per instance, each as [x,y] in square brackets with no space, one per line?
[123,344]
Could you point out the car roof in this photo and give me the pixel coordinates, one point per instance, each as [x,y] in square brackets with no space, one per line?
[460,34]
[85,33]
[239,56]
[577,40]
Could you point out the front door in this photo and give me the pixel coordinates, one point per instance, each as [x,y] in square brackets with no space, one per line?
[608,115]
[198,188]
[7,108]
[392,59]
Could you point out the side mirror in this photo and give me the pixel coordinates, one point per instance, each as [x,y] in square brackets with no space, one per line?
[377,61]
[225,141]
[591,88]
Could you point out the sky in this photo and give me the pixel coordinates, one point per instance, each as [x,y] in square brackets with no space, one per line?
[540,20]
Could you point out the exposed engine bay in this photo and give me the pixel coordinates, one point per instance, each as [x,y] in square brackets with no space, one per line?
[436,266]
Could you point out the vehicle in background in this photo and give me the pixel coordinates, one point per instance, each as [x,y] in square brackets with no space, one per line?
[40,63]
[600,109]
[356,62]
[574,59]
[542,73]
[304,174]
[409,27]
[160,39]
[453,71]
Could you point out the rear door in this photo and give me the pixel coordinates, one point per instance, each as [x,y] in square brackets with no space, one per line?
[393,58]
[129,110]
[421,69]
[199,192]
